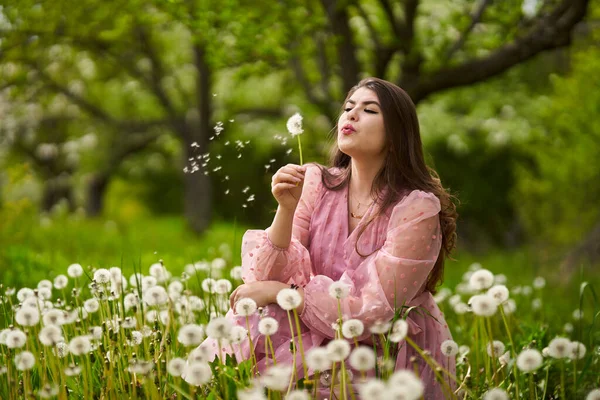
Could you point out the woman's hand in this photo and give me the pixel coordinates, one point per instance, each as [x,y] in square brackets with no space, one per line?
[286,185]
[262,292]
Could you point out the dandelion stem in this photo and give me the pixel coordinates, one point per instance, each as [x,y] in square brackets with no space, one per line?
[252,354]
[300,149]
[304,367]
[562,379]
[293,376]
[514,350]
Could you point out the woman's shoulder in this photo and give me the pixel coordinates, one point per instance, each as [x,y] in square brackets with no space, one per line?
[417,199]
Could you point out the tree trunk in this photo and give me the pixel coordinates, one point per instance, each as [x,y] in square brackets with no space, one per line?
[96,189]
[55,190]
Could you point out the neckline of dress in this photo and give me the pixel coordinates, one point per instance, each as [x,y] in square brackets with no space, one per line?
[348,234]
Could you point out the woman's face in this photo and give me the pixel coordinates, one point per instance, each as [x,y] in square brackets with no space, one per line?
[361,132]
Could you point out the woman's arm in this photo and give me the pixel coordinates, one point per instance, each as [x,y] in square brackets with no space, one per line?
[280,231]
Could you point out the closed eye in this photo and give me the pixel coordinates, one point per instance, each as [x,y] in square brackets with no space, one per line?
[366,110]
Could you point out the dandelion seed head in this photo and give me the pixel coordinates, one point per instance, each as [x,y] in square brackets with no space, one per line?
[140,367]
[27,316]
[509,307]
[529,360]
[48,391]
[60,282]
[237,334]
[380,327]
[373,389]
[15,339]
[483,305]
[593,395]
[95,332]
[400,329]
[91,305]
[294,125]
[197,374]
[339,290]
[338,350]
[51,335]
[317,359]
[208,285]
[539,282]
[190,335]
[218,328]
[44,284]
[449,348]
[61,350]
[277,377]
[159,272]
[201,353]
[80,345]
[102,276]
[495,394]
[222,286]
[75,270]
[504,358]
[352,328]
[500,293]
[577,350]
[24,293]
[481,279]
[155,296]
[268,326]
[245,307]
[288,299]
[72,370]
[176,366]
[236,273]
[409,382]
[362,358]
[559,347]
[24,361]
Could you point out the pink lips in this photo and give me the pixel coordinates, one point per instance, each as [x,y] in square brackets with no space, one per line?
[348,129]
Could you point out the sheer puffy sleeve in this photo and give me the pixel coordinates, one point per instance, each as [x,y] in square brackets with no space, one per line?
[263,261]
[388,278]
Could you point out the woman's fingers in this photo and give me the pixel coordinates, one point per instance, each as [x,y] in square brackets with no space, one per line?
[280,187]
[285,177]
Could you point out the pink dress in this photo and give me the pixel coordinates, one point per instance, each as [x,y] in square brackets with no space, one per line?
[404,243]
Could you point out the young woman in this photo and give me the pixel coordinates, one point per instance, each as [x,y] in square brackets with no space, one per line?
[378,220]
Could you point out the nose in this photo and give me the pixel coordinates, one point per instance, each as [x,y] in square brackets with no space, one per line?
[352,115]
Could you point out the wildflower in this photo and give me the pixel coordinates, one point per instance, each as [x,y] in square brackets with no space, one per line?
[197,374]
[277,377]
[61,349]
[199,354]
[44,284]
[373,389]
[24,293]
[568,327]
[500,279]
[45,293]
[495,394]
[288,299]
[27,316]
[102,276]
[399,331]
[95,332]
[80,345]
[559,348]
[409,381]
[536,304]
[338,350]
[509,306]
[237,334]
[245,307]
[339,290]
[72,370]
[483,305]
[222,286]
[526,290]
[60,282]
[236,273]
[593,395]
[529,360]
[449,348]
[268,326]
[15,339]
[131,300]
[176,366]
[380,327]
[136,338]
[362,358]
[159,272]
[175,287]
[156,296]
[317,359]
[196,303]
[504,358]
[352,328]
[294,125]
[50,335]
[24,361]
[539,282]
[577,314]
[53,317]
[499,293]
[461,308]
[75,270]
[576,351]
[218,328]
[253,393]
[91,305]
[298,395]
[498,348]
[218,263]
[208,285]
[48,391]
[481,279]
[190,335]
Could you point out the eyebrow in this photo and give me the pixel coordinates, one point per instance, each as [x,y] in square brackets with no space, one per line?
[365,102]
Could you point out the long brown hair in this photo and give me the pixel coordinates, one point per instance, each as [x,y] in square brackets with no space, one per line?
[404,168]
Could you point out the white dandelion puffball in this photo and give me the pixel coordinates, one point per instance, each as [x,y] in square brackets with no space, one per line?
[289,299]
[449,348]
[294,125]
[61,349]
[53,317]
[237,334]
[500,293]
[176,366]
[298,395]
[352,328]
[159,272]
[190,335]
[529,360]
[593,395]
[539,282]
[80,345]
[481,279]
[48,391]
[251,393]
[509,307]
[373,389]
[61,282]
[407,379]
[577,350]
[498,349]
[559,347]
[15,339]
[208,285]
[483,305]
[338,350]
[24,361]
[400,329]
[44,284]
[362,358]
[268,326]
[102,276]
[50,335]
[245,307]
[577,314]
[218,328]
[218,263]
[27,316]
[236,273]
[223,286]
[72,370]
[380,327]
[317,359]
[504,358]
[339,290]
[75,270]
[197,374]
[155,296]
[91,305]
[495,394]
[277,377]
